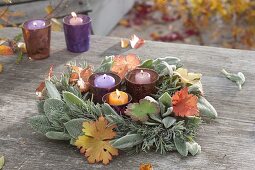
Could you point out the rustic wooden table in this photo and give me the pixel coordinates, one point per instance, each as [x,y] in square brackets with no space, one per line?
[227,143]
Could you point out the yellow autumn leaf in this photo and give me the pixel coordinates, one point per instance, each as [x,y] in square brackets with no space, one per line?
[56,25]
[48,9]
[95,141]
[188,78]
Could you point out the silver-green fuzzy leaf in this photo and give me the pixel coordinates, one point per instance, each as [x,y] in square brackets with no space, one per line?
[71,99]
[41,124]
[127,141]
[166,99]
[205,108]
[74,127]
[238,78]
[193,148]
[52,90]
[168,121]
[180,145]
[52,105]
[58,135]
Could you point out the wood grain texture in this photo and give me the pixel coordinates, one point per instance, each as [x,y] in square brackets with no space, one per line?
[227,142]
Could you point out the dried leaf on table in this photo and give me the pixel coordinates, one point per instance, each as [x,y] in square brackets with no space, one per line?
[6,50]
[185,104]
[95,141]
[124,43]
[146,166]
[49,9]
[238,78]
[136,42]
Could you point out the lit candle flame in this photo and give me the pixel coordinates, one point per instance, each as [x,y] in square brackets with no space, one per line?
[74,14]
[118,93]
[141,71]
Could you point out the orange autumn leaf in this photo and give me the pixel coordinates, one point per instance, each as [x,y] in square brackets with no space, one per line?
[185,104]
[80,76]
[74,77]
[123,64]
[41,86]
[5,50]
[95,141]
[146,167]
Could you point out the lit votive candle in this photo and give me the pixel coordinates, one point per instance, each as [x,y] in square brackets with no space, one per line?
[75,20]
[118,98]
[104,81]
[36,24]
[143,77]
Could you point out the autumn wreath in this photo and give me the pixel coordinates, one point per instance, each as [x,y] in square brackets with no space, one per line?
[165,121]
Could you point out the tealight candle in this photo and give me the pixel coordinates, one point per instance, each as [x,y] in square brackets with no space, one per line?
[75,20]
[118,98]
[104,81]
[36,24]
[143,77]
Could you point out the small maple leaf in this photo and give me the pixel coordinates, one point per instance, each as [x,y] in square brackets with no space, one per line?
[184,104]
[136,42]
[95,141]
[123,64]
[188,78]
[6,50]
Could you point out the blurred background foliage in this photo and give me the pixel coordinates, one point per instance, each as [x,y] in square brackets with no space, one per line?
[225,23]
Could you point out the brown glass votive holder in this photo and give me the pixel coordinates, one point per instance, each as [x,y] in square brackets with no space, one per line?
[139,91]
[118,108]
[37,35]
[99,92]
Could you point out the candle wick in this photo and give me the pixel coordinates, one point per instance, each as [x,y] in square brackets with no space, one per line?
[34,23]
[118,97]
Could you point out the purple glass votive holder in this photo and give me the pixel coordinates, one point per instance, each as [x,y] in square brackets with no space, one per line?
[118,108]
[139,91]
[99,92]
[77,36]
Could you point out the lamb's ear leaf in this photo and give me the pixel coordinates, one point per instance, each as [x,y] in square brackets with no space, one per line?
[127,141]
[52,90]
[180,145]
[205,108]
[74,127]
[41,124]
[57,135]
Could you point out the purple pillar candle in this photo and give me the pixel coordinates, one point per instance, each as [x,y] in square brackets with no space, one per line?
[104,81]
[77,29]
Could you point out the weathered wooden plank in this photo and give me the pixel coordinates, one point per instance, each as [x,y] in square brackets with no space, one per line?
[227,143]
[36,9]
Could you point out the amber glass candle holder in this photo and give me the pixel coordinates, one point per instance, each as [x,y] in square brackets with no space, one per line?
[118,108]
[37,40]
[139,91]
[99,92]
